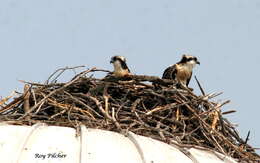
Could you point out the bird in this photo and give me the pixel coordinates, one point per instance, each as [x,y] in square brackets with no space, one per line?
[182,70]
[120,66]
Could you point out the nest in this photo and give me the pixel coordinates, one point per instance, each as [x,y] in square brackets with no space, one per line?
[145,105]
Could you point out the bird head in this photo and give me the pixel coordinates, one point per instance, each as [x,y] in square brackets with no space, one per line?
[119,63]
[117,58]
[190,60]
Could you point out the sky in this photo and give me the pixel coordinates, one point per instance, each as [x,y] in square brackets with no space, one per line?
[38,37]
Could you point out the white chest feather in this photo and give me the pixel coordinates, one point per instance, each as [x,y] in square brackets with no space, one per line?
[183,73]
[118,70]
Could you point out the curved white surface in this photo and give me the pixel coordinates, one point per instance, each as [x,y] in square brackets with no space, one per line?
[41,143]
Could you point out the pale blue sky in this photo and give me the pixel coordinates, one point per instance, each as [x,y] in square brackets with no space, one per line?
[39,36]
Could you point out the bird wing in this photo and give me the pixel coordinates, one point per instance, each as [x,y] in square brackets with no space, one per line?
[170,73]
[124,66]
[188,80]
[109,74]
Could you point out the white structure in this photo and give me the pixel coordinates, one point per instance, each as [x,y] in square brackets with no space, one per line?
[41,143]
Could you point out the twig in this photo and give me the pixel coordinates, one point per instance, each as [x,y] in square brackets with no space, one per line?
[53,92]
[26,105]
[60,70]
[201,89]
[247,137]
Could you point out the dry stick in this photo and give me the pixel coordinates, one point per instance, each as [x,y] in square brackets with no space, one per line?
[191,132]
[184,130]
[219,146]
[40,106]
[161,108]
[34,97]
[128,119]
[27,93]
[105,96]
[120,107]
[84,104]
[113,114]
[201,89]
[82,73]
[53,92]
[210,96]
[166,107]
[247,137]
[4,100]
[215,120]
[219,134]
[62,70]
[207,125]
[55,115]
[134,105]
[203,132]
[69,107]
[140,78]
[223,127]
[234,134]
[42,85]
[158,126]
[224,103]
[174,122]
[213,109]
[15,102]
[228,112]
[99,105]
[151,92]
[154,128]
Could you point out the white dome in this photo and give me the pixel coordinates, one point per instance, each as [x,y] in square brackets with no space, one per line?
[41,143]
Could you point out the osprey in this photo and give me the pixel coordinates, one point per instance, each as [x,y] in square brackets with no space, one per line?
[120,67]
[181,71]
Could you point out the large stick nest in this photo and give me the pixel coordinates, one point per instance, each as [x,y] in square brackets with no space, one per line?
[145,105]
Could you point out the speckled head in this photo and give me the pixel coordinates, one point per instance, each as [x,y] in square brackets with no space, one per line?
[117,58]
[189,59]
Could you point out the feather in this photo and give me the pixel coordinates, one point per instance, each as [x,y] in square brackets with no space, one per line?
[124,65]
[188,80]
[170,73]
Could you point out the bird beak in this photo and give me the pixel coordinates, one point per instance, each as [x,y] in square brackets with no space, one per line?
[198,62]
[111,61]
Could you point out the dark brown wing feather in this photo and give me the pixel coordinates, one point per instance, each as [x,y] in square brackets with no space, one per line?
[170,73]
[188,80]
[124,65]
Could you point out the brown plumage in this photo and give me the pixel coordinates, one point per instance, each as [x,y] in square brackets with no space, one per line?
[120,66]
[181,71]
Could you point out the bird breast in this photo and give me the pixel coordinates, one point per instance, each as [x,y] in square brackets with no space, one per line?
[119,71]
[183,73]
